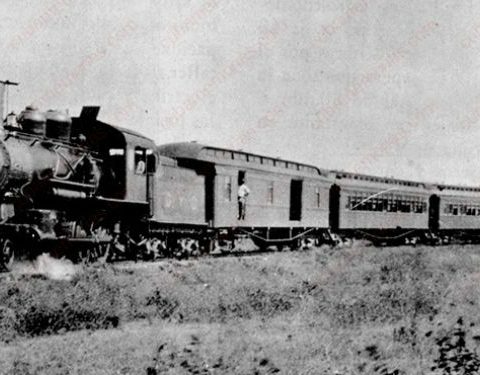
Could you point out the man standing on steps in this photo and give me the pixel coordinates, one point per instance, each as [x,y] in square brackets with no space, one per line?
[243,192]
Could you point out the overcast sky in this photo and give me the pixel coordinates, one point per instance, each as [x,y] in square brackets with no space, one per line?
[375,86]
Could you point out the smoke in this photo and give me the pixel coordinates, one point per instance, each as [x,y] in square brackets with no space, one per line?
[46,265]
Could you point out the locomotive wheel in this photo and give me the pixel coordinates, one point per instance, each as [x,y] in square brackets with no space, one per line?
[295,245]
[88,255]
[7,255]
[98,252]
[84,255]
[105,252]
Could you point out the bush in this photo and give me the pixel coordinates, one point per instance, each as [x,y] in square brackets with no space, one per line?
[33,307]
[164,307]
[7,324]
[382,287]
[454,357]
[250,302]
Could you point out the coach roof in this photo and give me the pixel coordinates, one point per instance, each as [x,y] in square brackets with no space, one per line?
[196,151]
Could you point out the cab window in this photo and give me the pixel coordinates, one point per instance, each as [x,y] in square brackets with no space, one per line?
[151,161]
[140,160]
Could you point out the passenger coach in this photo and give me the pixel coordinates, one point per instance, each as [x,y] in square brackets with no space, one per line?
[457,210]
[379,208]
[287,201]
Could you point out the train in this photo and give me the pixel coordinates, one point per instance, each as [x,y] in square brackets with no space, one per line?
[84,189]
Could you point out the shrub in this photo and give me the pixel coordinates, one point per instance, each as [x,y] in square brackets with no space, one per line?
[44,306]
[454,357]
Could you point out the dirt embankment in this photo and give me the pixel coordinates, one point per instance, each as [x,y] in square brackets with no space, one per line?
[358,310]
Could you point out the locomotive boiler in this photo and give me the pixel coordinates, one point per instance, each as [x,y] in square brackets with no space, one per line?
[43,169]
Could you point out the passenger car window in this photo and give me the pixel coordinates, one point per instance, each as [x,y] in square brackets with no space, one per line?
[270,192]
[317,197]
[227,193]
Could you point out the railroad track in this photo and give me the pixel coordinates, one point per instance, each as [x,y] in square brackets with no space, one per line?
[63,269]
[45,264]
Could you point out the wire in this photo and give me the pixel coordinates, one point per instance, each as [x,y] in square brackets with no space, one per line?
[387,237]
[373,196]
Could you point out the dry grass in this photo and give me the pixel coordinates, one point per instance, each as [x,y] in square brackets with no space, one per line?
[361,310]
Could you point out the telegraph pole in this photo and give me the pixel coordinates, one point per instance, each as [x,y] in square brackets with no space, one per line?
[6,84]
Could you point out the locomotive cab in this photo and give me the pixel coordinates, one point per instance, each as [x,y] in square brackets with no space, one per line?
[129,159]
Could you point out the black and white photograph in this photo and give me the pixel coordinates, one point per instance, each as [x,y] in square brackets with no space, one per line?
[249,187]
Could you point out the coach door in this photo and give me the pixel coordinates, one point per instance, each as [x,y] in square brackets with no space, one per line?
[296,188]
[151,169]
[334,207]
[210,197]
[434,213]
[112,183]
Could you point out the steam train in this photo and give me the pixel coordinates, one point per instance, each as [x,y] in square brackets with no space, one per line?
[82,188]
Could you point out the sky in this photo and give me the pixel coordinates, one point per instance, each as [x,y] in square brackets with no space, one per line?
[383,87]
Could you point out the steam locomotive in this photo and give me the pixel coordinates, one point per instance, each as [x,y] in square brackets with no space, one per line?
[64,184]
[82,188]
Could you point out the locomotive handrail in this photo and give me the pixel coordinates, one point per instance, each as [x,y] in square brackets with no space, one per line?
[35,139]
[72,183]
[116,200]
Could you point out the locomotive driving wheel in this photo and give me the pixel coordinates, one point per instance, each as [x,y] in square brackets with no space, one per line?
[7,255]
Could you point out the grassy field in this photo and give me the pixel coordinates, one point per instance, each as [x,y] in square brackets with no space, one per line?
[358,310]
